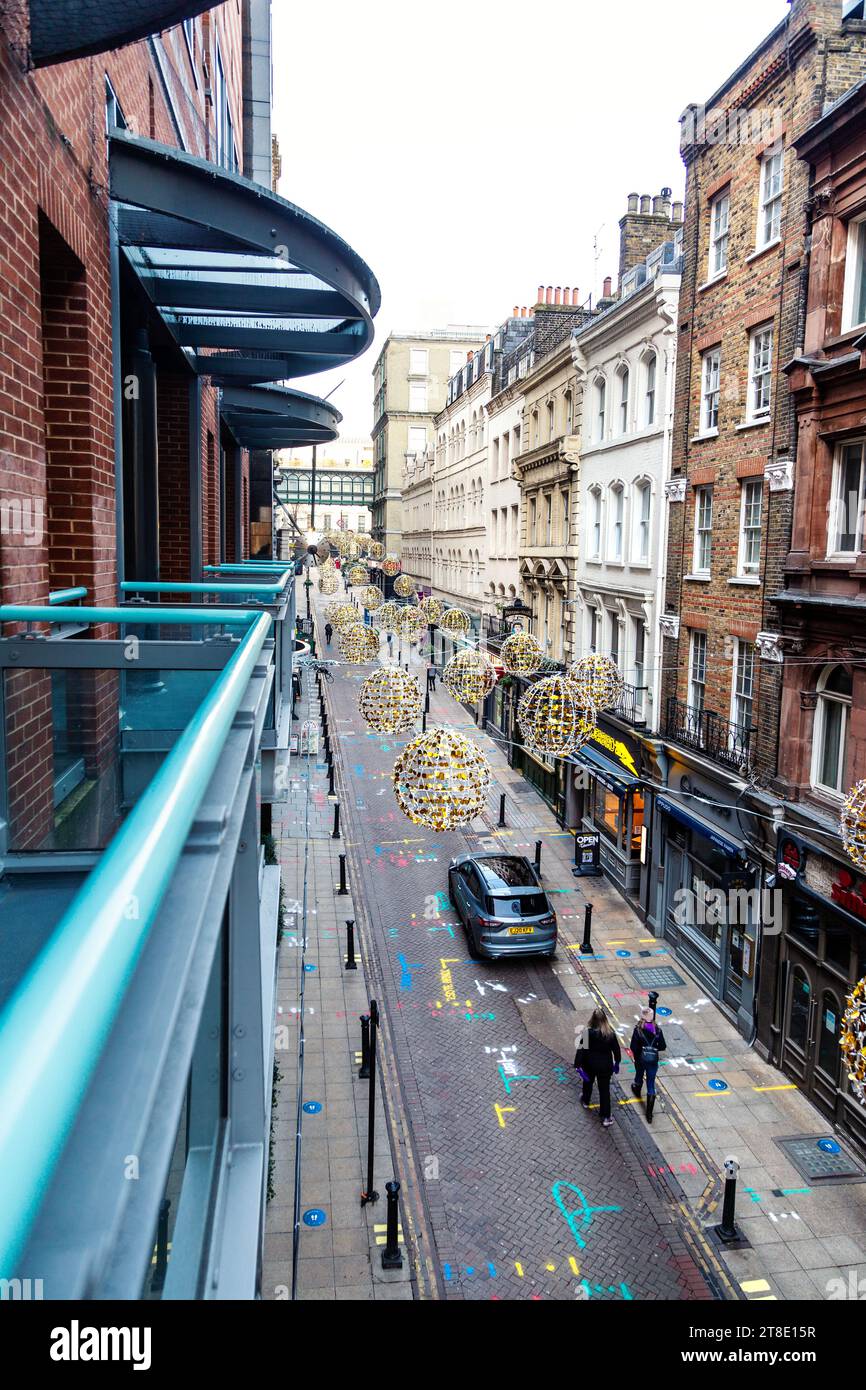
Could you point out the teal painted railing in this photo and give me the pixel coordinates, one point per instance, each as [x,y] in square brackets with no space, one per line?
[65,595]
[55,1026]
[167,617]
[251,567]
[159,586]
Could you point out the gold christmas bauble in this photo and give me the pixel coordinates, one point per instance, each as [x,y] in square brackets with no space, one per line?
[391,565]
[372,598]
[359,574]
[551,718]
[359,644]
[323,550]
[455,621]
[853,1040]
[404,586]
[390,700]
[376,550]
[411,622]
[441,780]
[521,654]
[853,821]
[469,676]
[386,617]
[341,614]
[329,582]
[432,610]
[598,681]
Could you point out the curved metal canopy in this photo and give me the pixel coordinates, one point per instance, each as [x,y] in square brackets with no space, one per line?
[251,287]
[64,29]
[274,417]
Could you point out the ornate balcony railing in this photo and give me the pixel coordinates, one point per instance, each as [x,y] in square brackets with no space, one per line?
[720,739]
[632,704]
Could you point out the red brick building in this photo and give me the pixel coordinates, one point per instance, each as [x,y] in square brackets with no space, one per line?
[742,307]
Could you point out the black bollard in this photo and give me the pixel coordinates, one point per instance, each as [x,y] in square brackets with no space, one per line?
[351,963]
[365,1047]
[370,1195]
[727,1231]
[586,944]
[427,702]
[335,833]
[537,860]
[391,1257]
[331,780]
[424,723]
[342,891]
[502,810]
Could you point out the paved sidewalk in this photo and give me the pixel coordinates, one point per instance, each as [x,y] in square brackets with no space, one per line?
[340,1257]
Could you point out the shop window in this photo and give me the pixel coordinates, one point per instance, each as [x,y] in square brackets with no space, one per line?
[608,812]
[804,925]
[837,948]
[828,1035]
[801,998]
[637,812]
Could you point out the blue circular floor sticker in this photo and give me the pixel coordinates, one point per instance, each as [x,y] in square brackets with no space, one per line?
[717,1085]
[828,1146]
[663,1012]
[312,1107]
[315,1217]
[623,954]
[309,968]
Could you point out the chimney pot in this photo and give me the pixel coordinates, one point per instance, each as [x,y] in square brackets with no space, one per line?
[645,203]
[657,206]
[677,212]
[548,298]
[566,295]
[558,295]
[540,299]
[607,287]
[632,202]
[469,356]
[515,311]
[523,312]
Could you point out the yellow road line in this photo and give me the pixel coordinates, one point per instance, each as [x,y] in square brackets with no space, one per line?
[789,1087]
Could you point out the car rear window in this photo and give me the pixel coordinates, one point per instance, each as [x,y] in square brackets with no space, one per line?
[524,905]
[507,871]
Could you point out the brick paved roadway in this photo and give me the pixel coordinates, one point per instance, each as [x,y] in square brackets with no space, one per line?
[514,1167]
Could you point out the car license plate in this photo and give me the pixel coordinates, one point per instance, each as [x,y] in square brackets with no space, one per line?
[520,931]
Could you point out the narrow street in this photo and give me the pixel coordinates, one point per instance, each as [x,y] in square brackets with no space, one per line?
[525,1194]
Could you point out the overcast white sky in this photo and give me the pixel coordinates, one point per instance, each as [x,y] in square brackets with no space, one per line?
[471,152]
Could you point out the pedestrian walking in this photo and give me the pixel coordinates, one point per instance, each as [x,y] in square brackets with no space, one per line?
[647,1041]
[597,1058]
[431,677]
[390,640]
[329,632]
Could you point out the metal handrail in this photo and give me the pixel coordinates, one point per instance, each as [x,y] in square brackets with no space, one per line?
[161,586]
[168,617]
[251,566]
[65,595]
[55,1026]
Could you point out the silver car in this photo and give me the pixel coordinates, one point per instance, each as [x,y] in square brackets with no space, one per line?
[502,905]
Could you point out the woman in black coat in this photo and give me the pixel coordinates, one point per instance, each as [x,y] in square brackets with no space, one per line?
[597,1059]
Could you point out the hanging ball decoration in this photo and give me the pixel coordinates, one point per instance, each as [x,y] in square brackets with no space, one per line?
[376,550]
[323,550]
[551,718]
[359,574]
[521,655]
[372,598]
[853,1040]
[598,680]
[854,825]
[441,780]
[469,675]
[386,617]
[390,700]
[404,586]
[359,644]
[329,582]
[341,614]
[391,565]
[432,610]
[411,622]
[363,542]
[455,621]
[327,566]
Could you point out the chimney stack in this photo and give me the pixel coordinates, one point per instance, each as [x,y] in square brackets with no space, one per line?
[607,287]
[677,212]
[649,221]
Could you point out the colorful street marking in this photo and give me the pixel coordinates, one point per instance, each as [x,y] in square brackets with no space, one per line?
[579,1218]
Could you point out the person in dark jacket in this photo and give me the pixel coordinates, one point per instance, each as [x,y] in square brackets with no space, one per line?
[597,1059]
[329,632]
[647,1041]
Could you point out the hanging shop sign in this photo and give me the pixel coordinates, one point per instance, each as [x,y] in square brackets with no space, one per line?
[615,746]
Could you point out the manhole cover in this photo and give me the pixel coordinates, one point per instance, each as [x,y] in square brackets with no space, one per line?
[820,1158]
[656,976]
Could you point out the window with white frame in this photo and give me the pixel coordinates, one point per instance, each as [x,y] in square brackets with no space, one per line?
[770,206]
[569,412]
[720,217]
[614,637]
[849,499]
[711,369]
[854,301]
[551,420]
[534,428]
[504,455]
[697,672]
[418,361]
[639,663]
[830,737]
[418,395]
[533,521]
[548,518]
[743,688]
[455,361]
[642,509]
[566,517]
[623,400]
[226,154]
[650,371]
[617,513]
[114,117]
[600,409]
[595,506]
[703,529]
[760,372]
[593,628]
[417,439]
[751,503]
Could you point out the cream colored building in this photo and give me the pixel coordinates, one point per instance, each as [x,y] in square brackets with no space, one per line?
[343,506]
[459,538]
[410,383]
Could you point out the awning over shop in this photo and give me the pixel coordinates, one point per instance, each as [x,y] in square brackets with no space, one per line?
[274,417]
[251,287]
[610,774]
[64,29]
[687,817]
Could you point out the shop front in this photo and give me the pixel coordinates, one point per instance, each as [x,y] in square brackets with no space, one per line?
[710,906]
[606,771]
[822,956]
[548,778]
